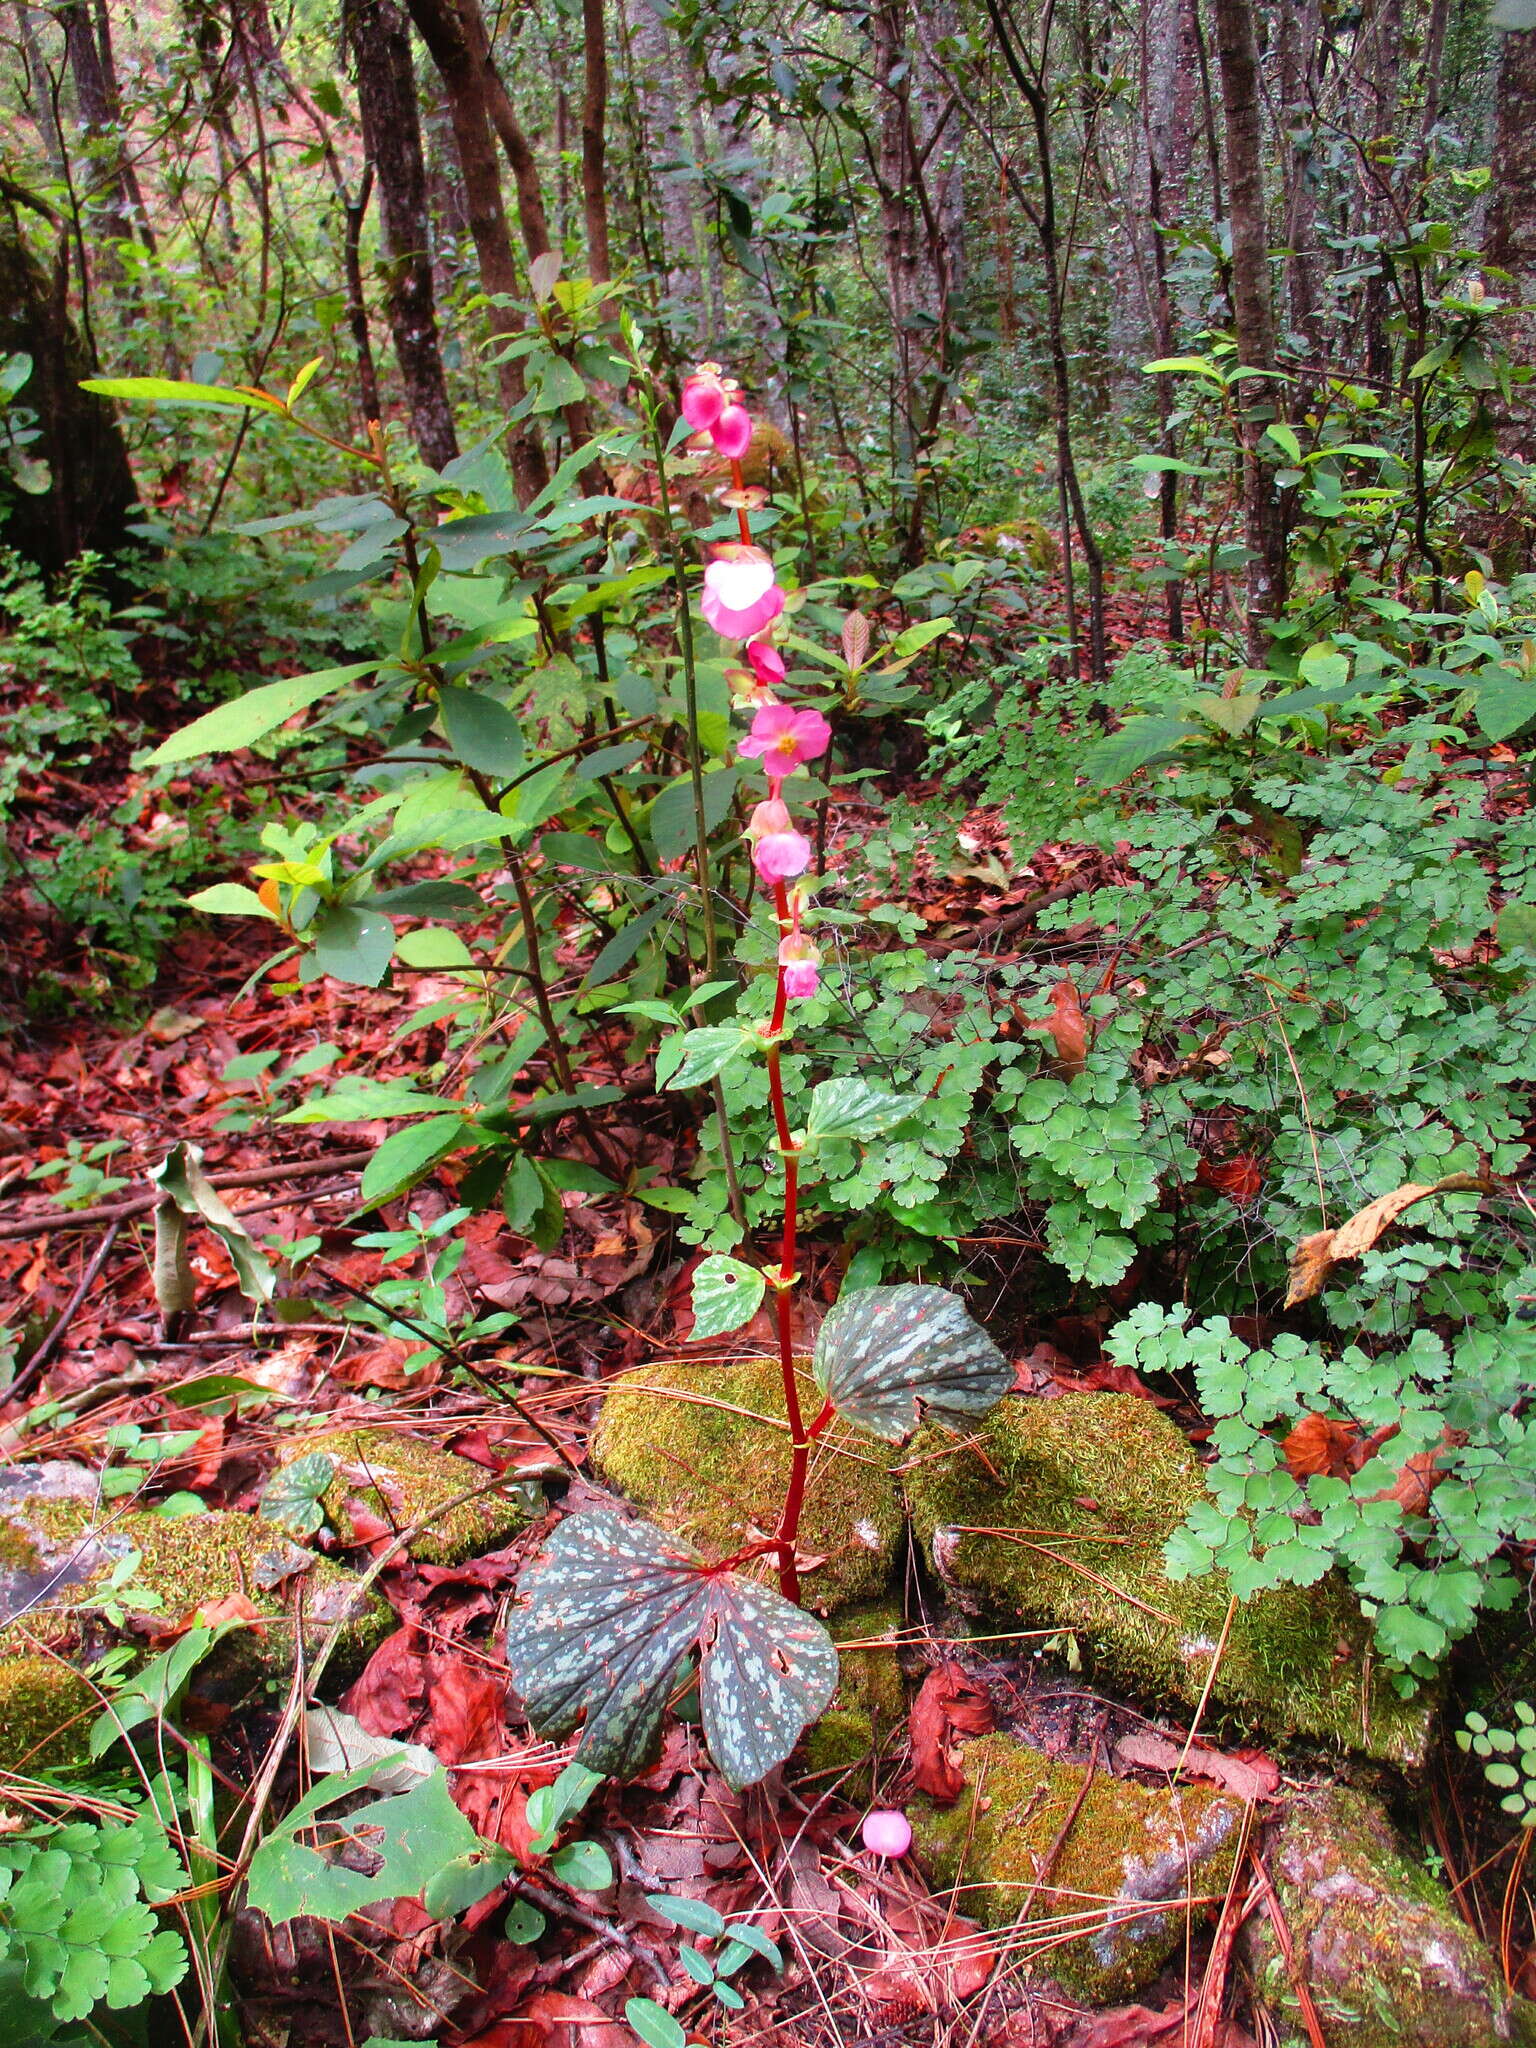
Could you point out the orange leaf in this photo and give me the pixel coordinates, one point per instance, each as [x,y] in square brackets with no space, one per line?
[1320,1444]
[1316,1256]
[1241,1178]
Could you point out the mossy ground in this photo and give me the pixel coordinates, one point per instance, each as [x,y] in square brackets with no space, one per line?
[694,1447]
[46,1710]
[870,1707]
[1388,1961]
[400,1478]
[1092,1485]
[1092,1909]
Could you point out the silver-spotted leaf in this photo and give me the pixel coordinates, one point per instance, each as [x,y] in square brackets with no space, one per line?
[886,1355]
[610,1609]
[726,1294]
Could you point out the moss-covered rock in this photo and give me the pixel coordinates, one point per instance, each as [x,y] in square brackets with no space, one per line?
[695,1447]
[1128,1850]
[1387,1960]
[46,1710]
[1094,1484]
[869,1707]
[397,1479]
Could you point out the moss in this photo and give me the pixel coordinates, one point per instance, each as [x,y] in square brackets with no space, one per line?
[1388,1961]
[870,1706]
[196,1559]
[400,1478]
[714,1471]
[1129,1846]
[46,1710]
[1094,1484]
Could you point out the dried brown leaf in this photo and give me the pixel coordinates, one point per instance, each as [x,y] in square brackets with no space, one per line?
[948,1704]
[1250,1775]
[1316,1256]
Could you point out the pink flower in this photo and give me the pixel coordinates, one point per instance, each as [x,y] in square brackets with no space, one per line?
[801,962]
[703,397]
[785,738]
[772,816]
[887,1834]
[780,856]
[740,595]
[766,660]
[732,432]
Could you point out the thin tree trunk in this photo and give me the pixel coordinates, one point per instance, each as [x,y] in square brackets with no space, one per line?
[594,143]
[386,94]
[39,87]
[1237,57]
[357,302]
[94,98]
[1511,229]
[463,76]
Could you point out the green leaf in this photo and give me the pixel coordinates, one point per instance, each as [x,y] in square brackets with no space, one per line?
[1194,366]
[694,1057]
[430,946]
[744,1935]
[524,1924]
[1231,715]
[1514,927]
[228,727]
[1138,743]
[292,1496]
[465,1880]
[584,1866]
[1505,702]
[1285,440]
[407,1156]
[1325,667]
[654,2024]
[172,391]
[915,638]
[483,734]
[698,1966]
[181,1179]
[551,1806]
[670,817]
[887,1355]
[230,899]
[609,1611]
[848,1108]
[353,945]
[726,1294]
[414,1834]
[693,1914]
[430,899]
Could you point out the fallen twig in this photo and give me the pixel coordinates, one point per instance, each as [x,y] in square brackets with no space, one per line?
[141,1205]
[35,1365]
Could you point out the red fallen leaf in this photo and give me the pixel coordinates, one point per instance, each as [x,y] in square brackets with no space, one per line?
[939,1976]
[1421,1475]
[390,1692]
[1241,1178]
[1133,2026]
[1319,1443]
[1246,1774]
[561,2021]
[1070,1027]
[948,1703]
[469,1710]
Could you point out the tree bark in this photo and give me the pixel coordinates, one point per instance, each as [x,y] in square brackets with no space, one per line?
[91,494]
[594,140]
[386,94]
[463,75]
[1510,243]
[97,100]
[1237,59]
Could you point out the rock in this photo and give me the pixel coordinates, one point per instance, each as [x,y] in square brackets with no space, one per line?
[1128,1845]
[672,1439]
[46,1710]
[1094,1484]
[58,1553]
[396,1479]
[868,1710]
[1387,1960]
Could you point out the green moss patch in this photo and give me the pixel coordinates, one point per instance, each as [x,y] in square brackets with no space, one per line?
[398,1479]
[695,1447]
[1388,1961]
[870,1706]
[1090,1487]
[46,1710]
[1113,1904]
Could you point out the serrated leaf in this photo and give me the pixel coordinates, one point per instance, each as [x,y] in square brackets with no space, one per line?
[228,727]
[727,1293]
[886,1355]
[1138,743]
[849,1108]
[415,1835]
[610,1609]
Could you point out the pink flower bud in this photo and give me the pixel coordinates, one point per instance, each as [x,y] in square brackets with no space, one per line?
[732,432]
[780,856]
[703,397]
[767,662]
[770,816]
[801,964]
[887,1834]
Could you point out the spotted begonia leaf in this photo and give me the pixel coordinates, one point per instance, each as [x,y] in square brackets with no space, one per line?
[884,1355]
[609,1611]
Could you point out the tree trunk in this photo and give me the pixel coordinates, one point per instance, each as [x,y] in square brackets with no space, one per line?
[463,75]
[1511,229]
[38,87]
[386,96]
[1237,58]
[91,494]
[94,98]
[594,117]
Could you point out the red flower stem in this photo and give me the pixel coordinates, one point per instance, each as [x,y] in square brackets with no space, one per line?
[799,1438]
[739,483]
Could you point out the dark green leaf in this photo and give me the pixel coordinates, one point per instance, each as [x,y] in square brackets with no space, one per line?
[231,726]
[848,1108]
[523,1924]
[693,1914]
[291,1497]
[609,1611]
[482,733]
[430,899]
[406,1156]
[1505,702]
[697,1056]
[354,945]
[1138,742]
[624,945]
[887,1354]
[584,1866]
[671,815]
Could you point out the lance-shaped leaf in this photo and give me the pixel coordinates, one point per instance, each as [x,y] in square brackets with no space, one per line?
[610,1610]
[886,1354]
[186,1190]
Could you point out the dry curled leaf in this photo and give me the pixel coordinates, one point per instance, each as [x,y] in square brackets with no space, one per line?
[1247,1774]
[1240,1178]
[949,1704]
[1316,1256]
[1319,1443]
